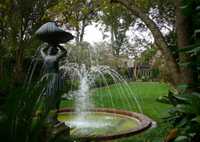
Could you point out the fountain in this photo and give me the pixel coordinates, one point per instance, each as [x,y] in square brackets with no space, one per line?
[85,121]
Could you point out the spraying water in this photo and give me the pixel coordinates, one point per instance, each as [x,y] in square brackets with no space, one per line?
[82,97]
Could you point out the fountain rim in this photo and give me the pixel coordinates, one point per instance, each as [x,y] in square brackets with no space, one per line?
[144,123]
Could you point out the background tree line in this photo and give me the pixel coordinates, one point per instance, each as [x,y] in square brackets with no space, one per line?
[179,17]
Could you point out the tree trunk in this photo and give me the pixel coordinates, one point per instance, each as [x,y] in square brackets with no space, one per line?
[82,30]
[172,66]
[77,35]
[112,41]
[18,73]
[1,69]
[136,71]
[183,36]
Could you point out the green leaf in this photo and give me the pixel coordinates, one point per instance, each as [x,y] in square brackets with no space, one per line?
[183,122]
[196,119]
[182,87]
[181,139]
[185,109]
[163,99]
[189,48]
[194,51]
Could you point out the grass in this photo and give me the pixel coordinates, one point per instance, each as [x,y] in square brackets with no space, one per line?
[123,97]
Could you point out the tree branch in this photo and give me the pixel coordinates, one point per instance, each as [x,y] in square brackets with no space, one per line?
[159,39]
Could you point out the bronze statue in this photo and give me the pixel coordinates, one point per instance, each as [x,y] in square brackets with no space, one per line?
[52,52]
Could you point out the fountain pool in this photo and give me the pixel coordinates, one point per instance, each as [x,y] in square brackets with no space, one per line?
[102,124]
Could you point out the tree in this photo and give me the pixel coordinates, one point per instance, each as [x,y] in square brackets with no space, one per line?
[159,39]
[183,31]
[19,27]
[77,14]
[117,20]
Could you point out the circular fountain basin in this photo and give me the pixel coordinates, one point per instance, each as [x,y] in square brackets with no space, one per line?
[103,123]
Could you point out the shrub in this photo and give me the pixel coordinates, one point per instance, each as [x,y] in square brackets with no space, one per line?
[184,115]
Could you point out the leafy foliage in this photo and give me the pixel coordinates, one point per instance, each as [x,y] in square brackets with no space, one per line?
[185,115]
[24,117]
[191,8]
[77,14]
[118,20]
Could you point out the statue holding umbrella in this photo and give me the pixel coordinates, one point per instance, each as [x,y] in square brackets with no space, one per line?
[52,52]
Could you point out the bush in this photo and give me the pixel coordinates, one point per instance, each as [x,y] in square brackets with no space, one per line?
[184,115]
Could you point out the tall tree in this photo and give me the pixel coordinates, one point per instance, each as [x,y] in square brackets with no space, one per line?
[158,36]
[78,14]
[117,20]
[183,31]
[21,18]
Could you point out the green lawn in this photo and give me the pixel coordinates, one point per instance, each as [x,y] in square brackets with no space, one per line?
[124,97]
